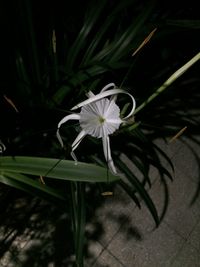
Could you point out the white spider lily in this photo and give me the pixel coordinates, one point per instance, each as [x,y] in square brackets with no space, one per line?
[99,117]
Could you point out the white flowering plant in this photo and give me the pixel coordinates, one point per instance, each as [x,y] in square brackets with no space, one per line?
[53,116]
[99,117]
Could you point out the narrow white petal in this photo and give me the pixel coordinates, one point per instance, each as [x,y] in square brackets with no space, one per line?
[108,86]
[112,110]
[90,94]
[65,119]
[114,121]
[78,139]
[69,117]
[2,147]
[75,144]
[105,94]
[99,96]
[107,154]
[74,157]
[133,107]
[59,138]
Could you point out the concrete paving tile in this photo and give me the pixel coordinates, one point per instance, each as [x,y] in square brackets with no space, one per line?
[182,216]
[8,260]
[187,257]
[106,259]
[24,253]
[169,148]
[93,252]
[19,243]
[186,159]
[153,172]
[154,248]
[144,247]
[116,211]
[160,196]
[125,216]
[194,238]
[128,236]
[109,217]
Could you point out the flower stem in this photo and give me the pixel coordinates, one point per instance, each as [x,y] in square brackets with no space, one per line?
[169,81]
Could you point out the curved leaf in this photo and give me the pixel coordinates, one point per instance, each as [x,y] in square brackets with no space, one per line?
[91,17]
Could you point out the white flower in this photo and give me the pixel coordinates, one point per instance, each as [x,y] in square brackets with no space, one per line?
[99,117]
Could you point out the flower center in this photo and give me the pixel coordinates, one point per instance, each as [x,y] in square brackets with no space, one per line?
[101,120]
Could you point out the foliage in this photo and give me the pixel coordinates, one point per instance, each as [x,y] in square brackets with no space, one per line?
[56,59]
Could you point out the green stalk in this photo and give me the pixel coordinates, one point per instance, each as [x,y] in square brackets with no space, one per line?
[81,224]
[77,210]
[169,81]
[73,210]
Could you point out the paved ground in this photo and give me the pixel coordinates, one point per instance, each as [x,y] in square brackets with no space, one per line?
[119,234]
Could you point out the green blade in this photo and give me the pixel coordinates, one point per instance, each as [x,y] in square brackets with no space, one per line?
[80,223]
[91,17]
[29,185]
[65,169]
[184,23]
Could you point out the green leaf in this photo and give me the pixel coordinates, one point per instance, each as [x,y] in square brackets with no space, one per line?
[80,223]
[184,23]
[104,27]
[169,81]
[91,17]
[27,184]
[21,71]
[30,31]
[124,43]
[65,169]
[79,78]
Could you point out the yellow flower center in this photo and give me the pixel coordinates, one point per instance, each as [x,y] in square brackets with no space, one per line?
[101,120]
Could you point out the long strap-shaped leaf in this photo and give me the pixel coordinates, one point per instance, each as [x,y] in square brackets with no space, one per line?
[65,169]
[91,17]
[81,212]
[170,80]
[29,185]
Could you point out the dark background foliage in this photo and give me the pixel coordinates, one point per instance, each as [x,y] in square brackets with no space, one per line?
[44,85]
[27,32]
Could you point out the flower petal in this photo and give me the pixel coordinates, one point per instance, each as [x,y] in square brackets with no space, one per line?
[114,97]
[107,154]
[98,97]
[2,147]
[65,119]
[90,94]
[133,107]
[105,94]
[78,139]
[69,117]
[75,144]
[107,86]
